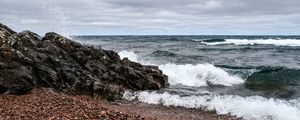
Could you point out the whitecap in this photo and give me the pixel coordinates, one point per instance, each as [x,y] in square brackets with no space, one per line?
[276,42]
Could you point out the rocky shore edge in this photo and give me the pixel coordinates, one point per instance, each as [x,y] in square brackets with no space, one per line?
[49,104]
[28,62]
[54,78]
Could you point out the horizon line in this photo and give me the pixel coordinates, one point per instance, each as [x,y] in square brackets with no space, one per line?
[181,35]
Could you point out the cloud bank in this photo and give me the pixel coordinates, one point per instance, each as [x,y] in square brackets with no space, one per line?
[129,17]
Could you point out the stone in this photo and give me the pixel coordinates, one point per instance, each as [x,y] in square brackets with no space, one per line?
[28,61]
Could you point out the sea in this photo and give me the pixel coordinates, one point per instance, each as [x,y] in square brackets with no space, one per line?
[253,77]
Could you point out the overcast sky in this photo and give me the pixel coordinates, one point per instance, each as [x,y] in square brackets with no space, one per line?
[129,17]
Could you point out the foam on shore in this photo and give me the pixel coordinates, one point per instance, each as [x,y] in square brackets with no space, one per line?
[252,107]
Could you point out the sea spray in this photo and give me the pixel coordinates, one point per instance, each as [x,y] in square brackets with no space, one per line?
[198,75]
[130,55]
[191,75]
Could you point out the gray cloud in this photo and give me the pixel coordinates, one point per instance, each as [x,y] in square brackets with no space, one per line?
[153,16]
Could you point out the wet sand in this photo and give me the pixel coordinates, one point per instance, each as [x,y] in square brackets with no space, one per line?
[51,105]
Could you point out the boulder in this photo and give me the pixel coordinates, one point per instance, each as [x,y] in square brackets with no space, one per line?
[28,61]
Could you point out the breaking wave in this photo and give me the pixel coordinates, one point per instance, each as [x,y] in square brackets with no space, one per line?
[198,75]
[251,107]
[191,75]
[279,42]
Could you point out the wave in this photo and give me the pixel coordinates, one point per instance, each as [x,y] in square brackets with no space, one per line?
[162,53]
[273,78]
[253,77]
[267,77]
[198,75]
[253,107]
[209,40]
[236,67]
[191,75]
[173,39]
[246,48]
[276,42]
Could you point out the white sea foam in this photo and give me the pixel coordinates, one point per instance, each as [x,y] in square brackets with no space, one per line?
[191,75]
[279,42]
[130,55]
[252,108]
[198,75]
[133,57]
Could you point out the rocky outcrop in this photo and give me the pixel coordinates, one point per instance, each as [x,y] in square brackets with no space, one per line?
[28,61]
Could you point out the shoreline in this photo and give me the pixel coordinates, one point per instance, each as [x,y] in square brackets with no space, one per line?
[48,104]
[169,112]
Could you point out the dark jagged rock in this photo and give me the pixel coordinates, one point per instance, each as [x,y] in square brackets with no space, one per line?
[28,61]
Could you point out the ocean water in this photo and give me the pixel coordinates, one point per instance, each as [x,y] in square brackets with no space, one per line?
[254,77]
